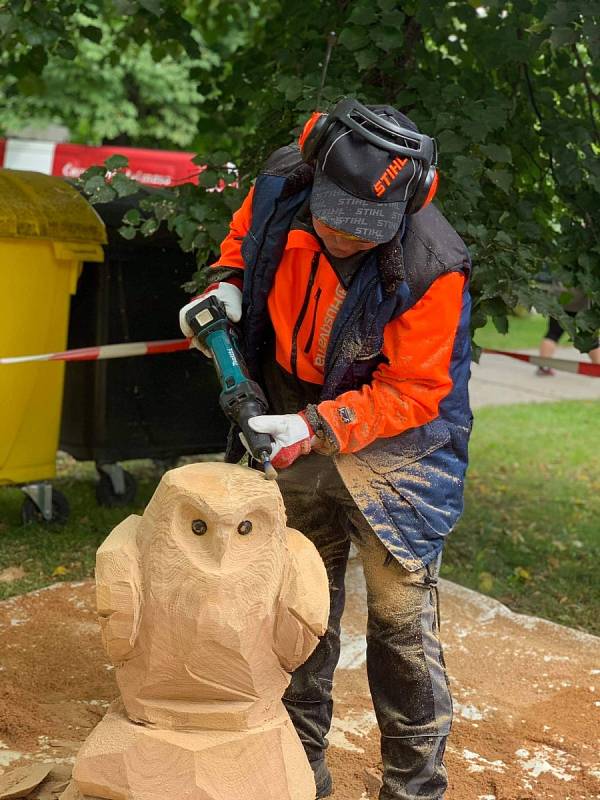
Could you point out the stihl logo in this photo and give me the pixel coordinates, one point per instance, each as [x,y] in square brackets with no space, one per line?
[385,181]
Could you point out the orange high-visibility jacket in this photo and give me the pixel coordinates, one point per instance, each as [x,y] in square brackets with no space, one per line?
[406,390]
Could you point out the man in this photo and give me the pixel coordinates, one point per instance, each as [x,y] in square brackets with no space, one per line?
[355,317]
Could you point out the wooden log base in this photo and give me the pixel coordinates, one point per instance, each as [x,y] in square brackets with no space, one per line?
[122,760]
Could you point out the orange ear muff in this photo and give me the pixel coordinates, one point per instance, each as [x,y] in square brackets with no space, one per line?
[425,190]
[308,126]
[432,190]
[313,135]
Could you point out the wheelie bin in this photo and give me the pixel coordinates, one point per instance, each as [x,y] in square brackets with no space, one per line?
[158,407]
[47,230]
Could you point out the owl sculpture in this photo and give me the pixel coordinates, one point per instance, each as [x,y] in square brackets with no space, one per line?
[207,602]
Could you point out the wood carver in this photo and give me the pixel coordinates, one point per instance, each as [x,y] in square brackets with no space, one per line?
[206,602]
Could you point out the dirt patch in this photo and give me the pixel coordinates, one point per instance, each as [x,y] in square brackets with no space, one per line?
[527,695]
[55,681]
[11,574]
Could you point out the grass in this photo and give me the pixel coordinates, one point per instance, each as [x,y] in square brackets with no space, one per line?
[529,536]
[523,333]
[48,553]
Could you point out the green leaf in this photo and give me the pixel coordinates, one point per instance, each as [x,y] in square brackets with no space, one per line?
[503,238]
[562,12]
[217,231]
[187,231]
[31,85]
[104,194]
[450,142]
[116,162]
[94,183]
[501,324]
[387,5]
[66,50]
[92,33]
[353,38]
[92,171]
[562,36]
[363,14]
[387,39]
[125,7]
[153,6]
[466,167]
[500,178]
[149,227]
[198,211]
[366,59]
[394,18]
[497,152]
[132,217]
[291,87]
[123,185]
[208,177]
[127,232]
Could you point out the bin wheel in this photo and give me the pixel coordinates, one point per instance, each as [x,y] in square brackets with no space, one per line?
[105,492]
[60,510]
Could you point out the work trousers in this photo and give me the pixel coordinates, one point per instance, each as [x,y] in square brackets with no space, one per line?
[405,664]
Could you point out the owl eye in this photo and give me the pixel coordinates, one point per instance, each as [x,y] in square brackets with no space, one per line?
[199,527]
[244,527]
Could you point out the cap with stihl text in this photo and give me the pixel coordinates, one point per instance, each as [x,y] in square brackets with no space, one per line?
[360,188]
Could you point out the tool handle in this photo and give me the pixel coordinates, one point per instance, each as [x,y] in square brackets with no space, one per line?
[259,443]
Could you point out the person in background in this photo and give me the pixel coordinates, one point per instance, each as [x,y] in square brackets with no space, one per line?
[555,330]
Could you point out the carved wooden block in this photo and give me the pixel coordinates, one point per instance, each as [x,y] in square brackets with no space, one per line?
[206,602]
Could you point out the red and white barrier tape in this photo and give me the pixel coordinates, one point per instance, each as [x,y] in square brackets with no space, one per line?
[562,364]
[173,345]
[106,351]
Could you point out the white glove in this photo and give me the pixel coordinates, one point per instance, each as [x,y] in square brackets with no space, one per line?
[228,294]
[291,433]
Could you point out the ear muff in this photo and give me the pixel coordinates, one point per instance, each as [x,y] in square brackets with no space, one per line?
[313,135]
[320,125]
[425,190]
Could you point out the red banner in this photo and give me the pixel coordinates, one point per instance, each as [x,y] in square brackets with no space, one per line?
[157,168]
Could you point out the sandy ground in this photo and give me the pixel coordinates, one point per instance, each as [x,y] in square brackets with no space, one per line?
[527,692]
[527,695]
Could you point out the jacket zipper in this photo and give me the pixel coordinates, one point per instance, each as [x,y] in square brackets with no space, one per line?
[294,354]
[311,335]
[331,360]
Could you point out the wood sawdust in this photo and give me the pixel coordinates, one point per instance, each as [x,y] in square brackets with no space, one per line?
[519,688]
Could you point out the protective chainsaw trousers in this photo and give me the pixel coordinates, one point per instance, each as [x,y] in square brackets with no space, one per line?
[405,664]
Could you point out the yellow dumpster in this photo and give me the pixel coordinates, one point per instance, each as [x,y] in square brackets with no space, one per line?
[47,230]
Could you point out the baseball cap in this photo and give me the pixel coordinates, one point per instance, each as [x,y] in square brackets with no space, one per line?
[360,188]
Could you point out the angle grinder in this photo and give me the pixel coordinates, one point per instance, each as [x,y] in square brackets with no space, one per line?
[241,398]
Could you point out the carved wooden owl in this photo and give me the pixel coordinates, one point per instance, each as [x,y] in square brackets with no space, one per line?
[208,601]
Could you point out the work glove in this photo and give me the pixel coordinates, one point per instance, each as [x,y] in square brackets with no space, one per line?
[291,433]
[228,294]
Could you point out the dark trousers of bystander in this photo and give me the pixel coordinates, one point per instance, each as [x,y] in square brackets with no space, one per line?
[405,663]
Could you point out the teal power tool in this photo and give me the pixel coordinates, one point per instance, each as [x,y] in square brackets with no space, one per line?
[241,398]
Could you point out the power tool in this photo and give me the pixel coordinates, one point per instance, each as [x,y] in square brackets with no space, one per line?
[241,398]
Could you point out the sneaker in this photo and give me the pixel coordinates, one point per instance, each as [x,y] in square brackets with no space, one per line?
[323,779]
[545,372]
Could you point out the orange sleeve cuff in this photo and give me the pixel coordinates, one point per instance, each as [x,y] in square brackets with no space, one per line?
[231,246]
[406,391]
